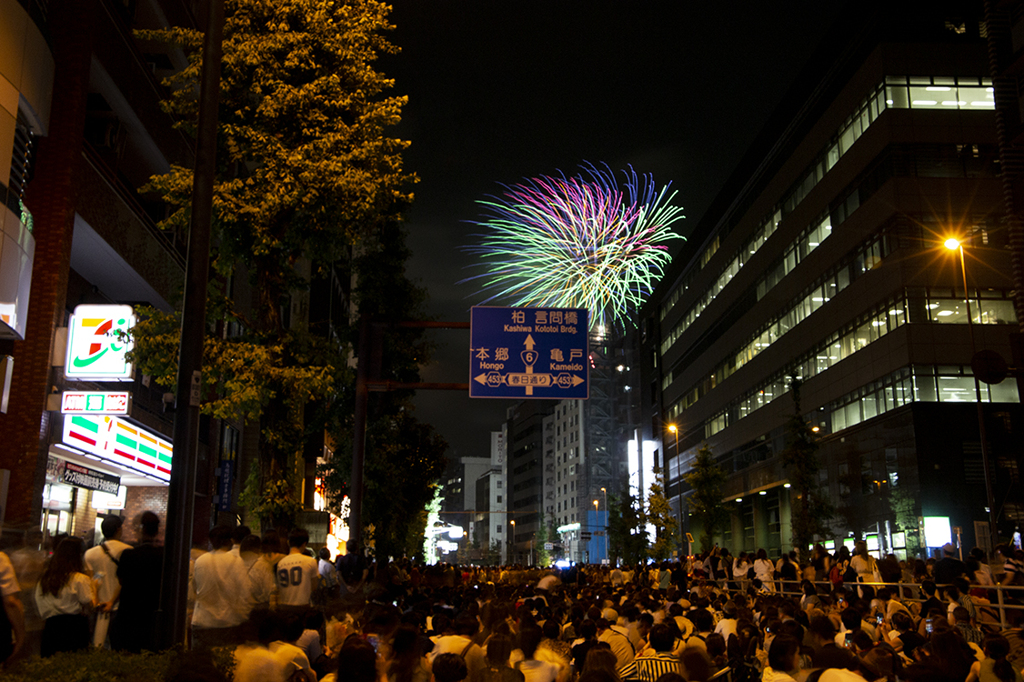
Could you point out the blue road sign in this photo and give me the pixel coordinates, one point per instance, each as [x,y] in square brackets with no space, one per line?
[529,353]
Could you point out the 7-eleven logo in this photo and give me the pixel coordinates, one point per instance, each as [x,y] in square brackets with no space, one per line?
[98,342]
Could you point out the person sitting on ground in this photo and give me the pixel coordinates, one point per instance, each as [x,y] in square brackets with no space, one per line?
[903,637]
[461,643]
[995,665]
[695,665]
[357,662]
[600,659]
[450,668]
[703,627]
[407,662]
[289,629]
[963,625]
[783,660]
[533,668]
[497,669]
[649,667]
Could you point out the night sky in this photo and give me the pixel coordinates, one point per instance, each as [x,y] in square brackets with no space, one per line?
[501,91]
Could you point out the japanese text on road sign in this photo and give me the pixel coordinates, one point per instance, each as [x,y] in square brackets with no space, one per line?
[529,353]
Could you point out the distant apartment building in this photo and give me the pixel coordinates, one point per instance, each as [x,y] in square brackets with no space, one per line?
[490,523]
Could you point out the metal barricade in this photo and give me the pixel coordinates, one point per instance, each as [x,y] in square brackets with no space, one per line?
[1008,597]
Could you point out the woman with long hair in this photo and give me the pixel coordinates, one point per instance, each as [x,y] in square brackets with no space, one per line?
[496,667]
[407,664]
[821,562]
[995,667]
[765,570]
[600,659]
[64,595]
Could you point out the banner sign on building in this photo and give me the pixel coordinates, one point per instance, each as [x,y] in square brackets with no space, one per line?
[117,441]
[90,479]
[98,343]
[224,486]
[54,469]
[95,402]
[529,353]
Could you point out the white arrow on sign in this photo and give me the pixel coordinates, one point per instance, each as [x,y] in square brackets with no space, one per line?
[528,380]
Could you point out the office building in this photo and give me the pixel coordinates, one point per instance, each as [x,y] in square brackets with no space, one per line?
[822,258]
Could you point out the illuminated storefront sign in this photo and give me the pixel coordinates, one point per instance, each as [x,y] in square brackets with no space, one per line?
[117,441]
[95,402]
[97,343]
[90,479]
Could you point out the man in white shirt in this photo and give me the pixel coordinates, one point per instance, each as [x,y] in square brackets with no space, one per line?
[222,593]
[103,560]
[728,625]
[617,640]
[461,643]
[262,579]
[298,574]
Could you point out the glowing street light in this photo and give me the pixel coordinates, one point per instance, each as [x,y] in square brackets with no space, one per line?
[954,244]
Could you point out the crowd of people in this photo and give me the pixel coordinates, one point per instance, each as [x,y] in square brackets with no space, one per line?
[291,614]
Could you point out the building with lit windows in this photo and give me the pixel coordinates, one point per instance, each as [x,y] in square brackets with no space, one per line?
[822,259]
[489,522]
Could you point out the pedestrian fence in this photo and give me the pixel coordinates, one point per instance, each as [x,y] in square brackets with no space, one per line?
[1002,599]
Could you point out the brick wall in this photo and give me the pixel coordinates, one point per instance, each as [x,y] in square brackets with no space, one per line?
[140,499]
[84,515]
[50,197]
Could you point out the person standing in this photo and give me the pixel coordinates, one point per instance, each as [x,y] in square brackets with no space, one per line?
[222,593]
[328,573]
[12,620]
[297,574]
[103,560]
[262,580]
[765,570]
[134,627]
[64,594]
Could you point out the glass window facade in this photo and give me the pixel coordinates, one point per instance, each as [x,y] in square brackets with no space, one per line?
[896,93]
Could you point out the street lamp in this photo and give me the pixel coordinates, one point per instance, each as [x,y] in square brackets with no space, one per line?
[607,553]
[954,244]
[675,431]
[513,540]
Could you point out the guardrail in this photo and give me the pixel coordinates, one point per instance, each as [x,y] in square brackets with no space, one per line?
[1008,597]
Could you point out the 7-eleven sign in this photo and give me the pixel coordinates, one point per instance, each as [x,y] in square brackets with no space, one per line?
[120,442]
[97,343]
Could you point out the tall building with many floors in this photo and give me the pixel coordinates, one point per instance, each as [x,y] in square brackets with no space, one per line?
[823,259]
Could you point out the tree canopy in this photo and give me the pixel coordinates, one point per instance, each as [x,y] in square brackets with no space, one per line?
[627,536]
[707,478]
[308,192]
[659,514]
[811,510]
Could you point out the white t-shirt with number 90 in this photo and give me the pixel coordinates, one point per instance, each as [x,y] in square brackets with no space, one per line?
[297,576]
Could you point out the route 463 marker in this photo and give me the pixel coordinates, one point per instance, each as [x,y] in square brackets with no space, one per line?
[538,353]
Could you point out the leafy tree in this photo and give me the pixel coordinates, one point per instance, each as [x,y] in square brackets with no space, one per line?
[707,478]
[493,555]
[627,538]
[811,510]
[307,177]
[659,514]
[542,536]
[558,552]
[904,509]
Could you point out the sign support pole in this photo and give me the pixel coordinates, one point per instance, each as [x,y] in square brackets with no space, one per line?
[171,617]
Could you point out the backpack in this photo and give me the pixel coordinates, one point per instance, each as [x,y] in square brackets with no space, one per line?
[835,574]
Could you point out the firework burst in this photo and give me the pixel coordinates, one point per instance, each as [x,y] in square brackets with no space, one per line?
[581,242]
